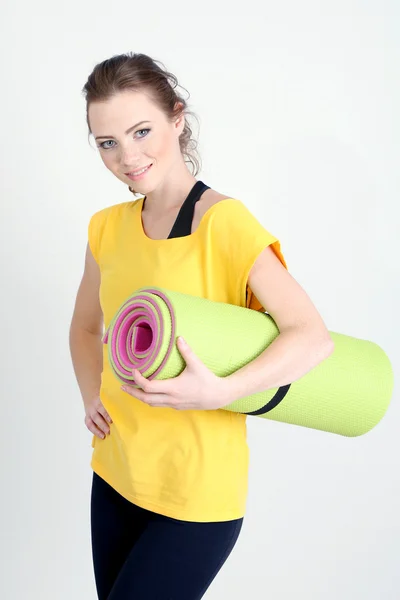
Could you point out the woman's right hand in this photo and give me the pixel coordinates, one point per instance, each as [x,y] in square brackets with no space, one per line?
[97,418]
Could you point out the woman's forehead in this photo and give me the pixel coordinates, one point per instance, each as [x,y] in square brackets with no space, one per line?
[122,111]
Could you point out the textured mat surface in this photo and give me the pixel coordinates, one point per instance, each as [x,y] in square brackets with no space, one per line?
[347,394]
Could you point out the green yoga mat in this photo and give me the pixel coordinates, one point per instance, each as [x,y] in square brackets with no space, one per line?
[347,394]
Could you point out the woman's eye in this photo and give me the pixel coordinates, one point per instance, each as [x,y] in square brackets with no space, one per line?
[102,145]
[106,147]
[141,130]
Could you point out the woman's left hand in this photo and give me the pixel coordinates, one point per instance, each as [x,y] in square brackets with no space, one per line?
[196,388]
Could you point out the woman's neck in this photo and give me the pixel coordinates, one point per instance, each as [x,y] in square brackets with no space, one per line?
[171,193]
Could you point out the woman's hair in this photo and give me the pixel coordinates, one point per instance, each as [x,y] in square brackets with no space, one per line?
[139,72]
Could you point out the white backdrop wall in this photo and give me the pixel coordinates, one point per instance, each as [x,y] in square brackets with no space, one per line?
[299,118]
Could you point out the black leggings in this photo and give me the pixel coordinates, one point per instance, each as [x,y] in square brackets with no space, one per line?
[141,555]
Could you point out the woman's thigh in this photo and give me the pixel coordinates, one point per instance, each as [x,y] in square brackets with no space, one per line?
[175,560]
[116,525]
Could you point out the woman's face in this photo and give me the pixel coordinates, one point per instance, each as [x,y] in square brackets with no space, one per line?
[132,133]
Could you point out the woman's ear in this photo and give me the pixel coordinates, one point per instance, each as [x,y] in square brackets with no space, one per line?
[180,120]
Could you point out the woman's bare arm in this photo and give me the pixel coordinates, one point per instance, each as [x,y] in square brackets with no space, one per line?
[85,340]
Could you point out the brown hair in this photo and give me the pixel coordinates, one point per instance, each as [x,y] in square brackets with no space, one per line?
[138,72]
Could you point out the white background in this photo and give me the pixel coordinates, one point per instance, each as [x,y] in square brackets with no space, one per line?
[299,110]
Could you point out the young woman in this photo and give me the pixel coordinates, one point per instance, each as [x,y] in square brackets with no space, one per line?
[170,469]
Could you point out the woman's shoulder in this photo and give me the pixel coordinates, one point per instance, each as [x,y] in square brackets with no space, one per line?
[211,197]
[212,200]
[116,209]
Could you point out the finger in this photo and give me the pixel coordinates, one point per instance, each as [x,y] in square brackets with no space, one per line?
[157,400]
[191,359]
[100,422]
[142,382]
[104,413]
[150,386]
[99,406]
[91,425]
[136,393]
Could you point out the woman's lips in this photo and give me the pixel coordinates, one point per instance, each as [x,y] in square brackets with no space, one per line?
[140,175]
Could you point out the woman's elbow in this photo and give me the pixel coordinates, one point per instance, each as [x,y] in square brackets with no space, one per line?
[320,342]
[326,345]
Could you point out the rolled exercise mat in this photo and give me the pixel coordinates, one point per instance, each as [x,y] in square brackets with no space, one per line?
[348,393]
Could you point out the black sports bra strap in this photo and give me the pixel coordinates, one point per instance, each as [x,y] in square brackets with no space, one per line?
[183,222]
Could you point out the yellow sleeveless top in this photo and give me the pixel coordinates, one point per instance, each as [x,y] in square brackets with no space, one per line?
[190,465]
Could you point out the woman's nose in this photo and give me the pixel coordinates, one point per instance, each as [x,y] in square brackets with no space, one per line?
[129,157]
